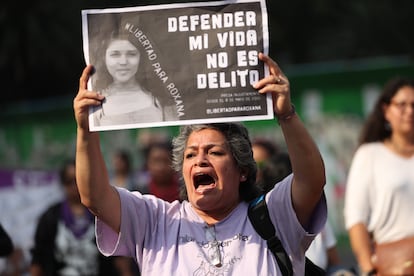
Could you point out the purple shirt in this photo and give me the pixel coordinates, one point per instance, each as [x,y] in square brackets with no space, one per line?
[170,238]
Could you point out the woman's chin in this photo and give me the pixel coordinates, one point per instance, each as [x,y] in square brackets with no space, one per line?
[203,200]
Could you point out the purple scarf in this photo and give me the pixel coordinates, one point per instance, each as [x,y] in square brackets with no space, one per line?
[77,225]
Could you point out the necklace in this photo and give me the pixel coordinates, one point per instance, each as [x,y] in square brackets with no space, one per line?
[214,253]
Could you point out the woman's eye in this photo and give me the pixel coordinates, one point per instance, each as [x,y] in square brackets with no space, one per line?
[188,155]
[115,54]
[131,54]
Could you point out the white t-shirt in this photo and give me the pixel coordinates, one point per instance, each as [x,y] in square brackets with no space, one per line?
[128,107]
[380,193]
[317,251]
[170,238]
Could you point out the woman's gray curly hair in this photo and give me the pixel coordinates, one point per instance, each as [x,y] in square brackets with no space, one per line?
[237,137]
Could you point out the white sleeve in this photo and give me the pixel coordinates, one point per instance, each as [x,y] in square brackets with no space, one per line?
[359,185]
[330,239]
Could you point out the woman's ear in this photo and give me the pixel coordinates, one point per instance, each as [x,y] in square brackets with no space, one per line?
[385,108]
[243,175]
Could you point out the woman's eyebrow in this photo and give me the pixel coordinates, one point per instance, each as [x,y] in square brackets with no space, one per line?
[209,145]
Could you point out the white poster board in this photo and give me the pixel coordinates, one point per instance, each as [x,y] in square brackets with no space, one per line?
[177,64]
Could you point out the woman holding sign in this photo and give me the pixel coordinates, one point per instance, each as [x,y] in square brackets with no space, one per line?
[209,233]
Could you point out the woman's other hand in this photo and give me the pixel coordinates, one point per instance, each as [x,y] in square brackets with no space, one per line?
[276,83]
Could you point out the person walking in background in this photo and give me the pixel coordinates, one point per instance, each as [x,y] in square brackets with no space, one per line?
[211,232]
[263,149]
[122,174]
[272,169]
[7,250]
[380,187]
[159,177]
[324,253]
[64,242]
[123,177]
[323,250]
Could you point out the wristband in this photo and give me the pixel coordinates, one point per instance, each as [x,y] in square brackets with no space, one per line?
[286,116]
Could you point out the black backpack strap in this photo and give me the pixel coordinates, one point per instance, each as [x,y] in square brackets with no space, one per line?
[259,217]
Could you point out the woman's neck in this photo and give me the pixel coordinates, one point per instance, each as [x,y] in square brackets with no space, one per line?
[401,145]
[129,85]
[214,216]
[78,210]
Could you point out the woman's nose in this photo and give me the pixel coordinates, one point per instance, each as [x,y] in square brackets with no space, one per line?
[123,59]
[201,160]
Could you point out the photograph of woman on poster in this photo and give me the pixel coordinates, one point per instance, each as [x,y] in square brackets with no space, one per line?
[183,56]
[126,101]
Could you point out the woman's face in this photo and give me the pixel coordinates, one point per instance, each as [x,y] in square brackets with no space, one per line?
[260,155]
[122,59]
[400,112]
[211,175]
[69,184]
[159,166]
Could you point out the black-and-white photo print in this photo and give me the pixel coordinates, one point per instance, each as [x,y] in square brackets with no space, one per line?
[176,64]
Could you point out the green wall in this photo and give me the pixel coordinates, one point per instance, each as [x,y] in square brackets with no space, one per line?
[39,134]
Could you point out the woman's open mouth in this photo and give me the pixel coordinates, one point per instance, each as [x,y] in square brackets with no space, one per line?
[203,182]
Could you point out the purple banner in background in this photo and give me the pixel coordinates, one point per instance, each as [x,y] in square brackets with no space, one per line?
[6,179]
[27,178]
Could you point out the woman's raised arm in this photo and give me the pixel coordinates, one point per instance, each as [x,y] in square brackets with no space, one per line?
[91,172]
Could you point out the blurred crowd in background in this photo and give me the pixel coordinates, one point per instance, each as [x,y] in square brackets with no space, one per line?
[143,163]
[33,153]
[333,96]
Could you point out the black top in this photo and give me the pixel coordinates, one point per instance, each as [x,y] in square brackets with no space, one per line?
[6,244]
[43,252]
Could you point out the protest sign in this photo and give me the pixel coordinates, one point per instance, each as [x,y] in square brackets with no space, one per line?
[176,64]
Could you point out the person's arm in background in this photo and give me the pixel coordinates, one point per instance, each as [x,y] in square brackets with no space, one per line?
[333,256]
[331,249]
[123,265]
[357,207]
[307,164]
[6,244]
[36,270]
[361,245]
[91,173]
